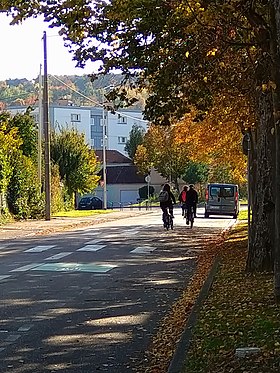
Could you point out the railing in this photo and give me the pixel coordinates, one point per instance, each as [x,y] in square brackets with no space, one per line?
[144,205]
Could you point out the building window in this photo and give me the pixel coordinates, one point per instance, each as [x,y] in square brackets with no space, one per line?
[121,119]
[75,117]
[122,140]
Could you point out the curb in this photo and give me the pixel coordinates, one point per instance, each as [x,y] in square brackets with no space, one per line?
[180,356]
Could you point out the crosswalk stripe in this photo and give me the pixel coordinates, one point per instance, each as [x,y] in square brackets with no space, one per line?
[4,276]
[92,242]
[91,248]
[39,249]
[143,250]
[26,268]
[58,256]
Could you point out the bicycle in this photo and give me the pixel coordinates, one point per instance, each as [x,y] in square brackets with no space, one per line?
[184,210]
[190,216]
[167,220]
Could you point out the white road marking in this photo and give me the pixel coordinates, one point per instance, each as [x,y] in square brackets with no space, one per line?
[39,249]
[130,233]
[58,256]
[143,250]
[4,276]
[91,248]
[75,267]
[12,337]
[111,235]
[25,328]
[26,268]
[88,234]
[92,242]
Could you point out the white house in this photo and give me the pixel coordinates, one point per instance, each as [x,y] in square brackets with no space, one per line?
[89,120]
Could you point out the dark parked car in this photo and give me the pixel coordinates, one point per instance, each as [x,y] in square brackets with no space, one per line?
[90,203]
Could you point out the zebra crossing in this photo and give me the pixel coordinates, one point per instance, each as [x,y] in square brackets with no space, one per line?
[53,263]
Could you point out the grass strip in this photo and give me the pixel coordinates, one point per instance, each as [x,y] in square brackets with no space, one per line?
[80,213]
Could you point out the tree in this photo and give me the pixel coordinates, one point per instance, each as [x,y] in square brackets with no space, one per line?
[18,170]
[161,150]
[196,173]
[143,191]
[9,144]
[192,54]
[23,192]
[77,163]
[28,132]
[136,136]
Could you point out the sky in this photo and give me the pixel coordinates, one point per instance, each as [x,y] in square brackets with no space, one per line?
[22,51]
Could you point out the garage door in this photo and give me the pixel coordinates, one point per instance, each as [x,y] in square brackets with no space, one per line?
[129,196]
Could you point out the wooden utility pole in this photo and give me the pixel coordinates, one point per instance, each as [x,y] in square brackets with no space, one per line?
[46,134]
[40,126]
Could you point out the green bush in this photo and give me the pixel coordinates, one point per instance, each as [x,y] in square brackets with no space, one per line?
[143,192]
[24,198]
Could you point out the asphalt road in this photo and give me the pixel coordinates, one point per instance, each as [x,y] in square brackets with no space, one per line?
[89,300]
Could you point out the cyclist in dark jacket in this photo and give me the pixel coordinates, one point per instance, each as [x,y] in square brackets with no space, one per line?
[168,204]
[192,200]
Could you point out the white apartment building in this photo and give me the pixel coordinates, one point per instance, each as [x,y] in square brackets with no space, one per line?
[89,120]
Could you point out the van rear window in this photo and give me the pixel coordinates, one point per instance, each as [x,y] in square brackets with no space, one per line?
[227,192]
[216,191]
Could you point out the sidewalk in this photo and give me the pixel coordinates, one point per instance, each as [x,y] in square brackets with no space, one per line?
[27,228]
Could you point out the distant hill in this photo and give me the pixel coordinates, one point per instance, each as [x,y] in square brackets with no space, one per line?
[26,92]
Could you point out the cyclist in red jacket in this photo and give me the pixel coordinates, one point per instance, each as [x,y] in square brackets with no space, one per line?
[183,200]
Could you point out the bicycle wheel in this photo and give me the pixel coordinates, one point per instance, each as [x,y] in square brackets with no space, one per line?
[171,222]
[191,217]
[165,221]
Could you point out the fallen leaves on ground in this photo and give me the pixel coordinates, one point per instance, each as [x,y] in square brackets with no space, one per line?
[239,312]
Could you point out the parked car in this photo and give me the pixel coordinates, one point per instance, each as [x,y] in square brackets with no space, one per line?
[90,203]
[222,199]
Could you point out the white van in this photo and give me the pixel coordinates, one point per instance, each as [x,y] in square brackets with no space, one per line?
[222,199]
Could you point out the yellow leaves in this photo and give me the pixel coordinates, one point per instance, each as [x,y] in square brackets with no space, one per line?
[270,85]
[212,52]
[187,54]
[205,79]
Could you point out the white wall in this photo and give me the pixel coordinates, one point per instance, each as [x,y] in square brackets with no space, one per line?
[120,193]
[120,125]
[63,116]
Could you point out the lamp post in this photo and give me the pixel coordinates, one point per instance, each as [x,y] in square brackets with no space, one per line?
[104,145]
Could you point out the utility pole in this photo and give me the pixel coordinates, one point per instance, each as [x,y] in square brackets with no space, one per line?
[104,138]
[40,122]
[46,134]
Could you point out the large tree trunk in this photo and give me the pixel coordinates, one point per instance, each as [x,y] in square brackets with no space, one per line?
[261,240]
[275,53]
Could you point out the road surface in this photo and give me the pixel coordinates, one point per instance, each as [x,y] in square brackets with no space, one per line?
[89,300]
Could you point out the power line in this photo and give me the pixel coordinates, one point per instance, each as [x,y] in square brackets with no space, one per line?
[96,102]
